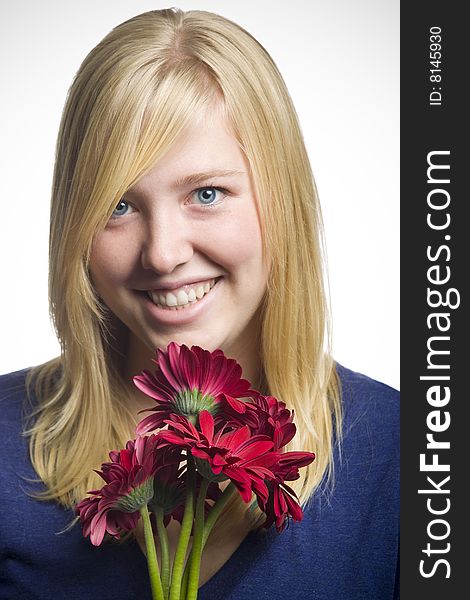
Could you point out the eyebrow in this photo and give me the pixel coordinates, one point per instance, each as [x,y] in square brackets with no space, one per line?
[196,178]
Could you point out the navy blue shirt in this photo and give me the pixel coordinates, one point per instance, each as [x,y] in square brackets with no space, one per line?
[346,548]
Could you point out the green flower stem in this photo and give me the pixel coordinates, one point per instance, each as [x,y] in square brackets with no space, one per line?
[216,510]
[185,534]
[184,584]
[165,552]
[208,525]
[196,552]
[152,562]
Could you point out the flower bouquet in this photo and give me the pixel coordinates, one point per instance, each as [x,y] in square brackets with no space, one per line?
[216,437]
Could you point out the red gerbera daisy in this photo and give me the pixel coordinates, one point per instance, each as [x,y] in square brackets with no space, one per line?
[98,517]
[236,454]
[283,503]
[274,420]
[129,486]
[188,381]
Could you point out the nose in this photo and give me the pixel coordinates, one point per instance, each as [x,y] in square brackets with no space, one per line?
[168,243]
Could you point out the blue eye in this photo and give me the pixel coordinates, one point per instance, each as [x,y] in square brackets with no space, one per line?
[121,209]
[208,195]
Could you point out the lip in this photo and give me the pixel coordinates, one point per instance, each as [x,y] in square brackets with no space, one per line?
[165,316]
[181,283]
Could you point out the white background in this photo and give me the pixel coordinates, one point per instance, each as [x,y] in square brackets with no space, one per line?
[340,60]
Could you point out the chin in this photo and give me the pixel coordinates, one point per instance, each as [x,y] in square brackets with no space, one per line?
[202,339]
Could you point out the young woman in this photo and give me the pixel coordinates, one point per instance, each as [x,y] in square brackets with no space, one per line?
[184,209]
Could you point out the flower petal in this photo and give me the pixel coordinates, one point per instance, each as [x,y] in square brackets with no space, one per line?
[206,422]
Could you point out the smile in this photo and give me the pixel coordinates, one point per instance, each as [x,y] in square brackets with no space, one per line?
[182,297]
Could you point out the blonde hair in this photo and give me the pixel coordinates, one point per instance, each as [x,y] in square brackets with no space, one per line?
[131,98]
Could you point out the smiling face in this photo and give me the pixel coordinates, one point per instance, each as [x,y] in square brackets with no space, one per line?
[181,258]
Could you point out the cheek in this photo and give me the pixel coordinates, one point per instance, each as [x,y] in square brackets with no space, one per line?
[238,240]
[109,265]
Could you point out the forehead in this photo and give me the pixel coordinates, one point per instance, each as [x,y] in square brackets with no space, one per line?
[207,147]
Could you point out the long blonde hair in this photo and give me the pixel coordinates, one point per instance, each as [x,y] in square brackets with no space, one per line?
[131,98]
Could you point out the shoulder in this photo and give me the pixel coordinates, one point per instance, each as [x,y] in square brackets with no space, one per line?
[364,504]
[369,450]
[13,395]
[354,384]
[12,384]
[370,402]
[15,405]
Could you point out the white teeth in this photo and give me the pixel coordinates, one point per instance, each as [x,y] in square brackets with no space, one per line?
[182,298]
[171,299]
[177,300]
